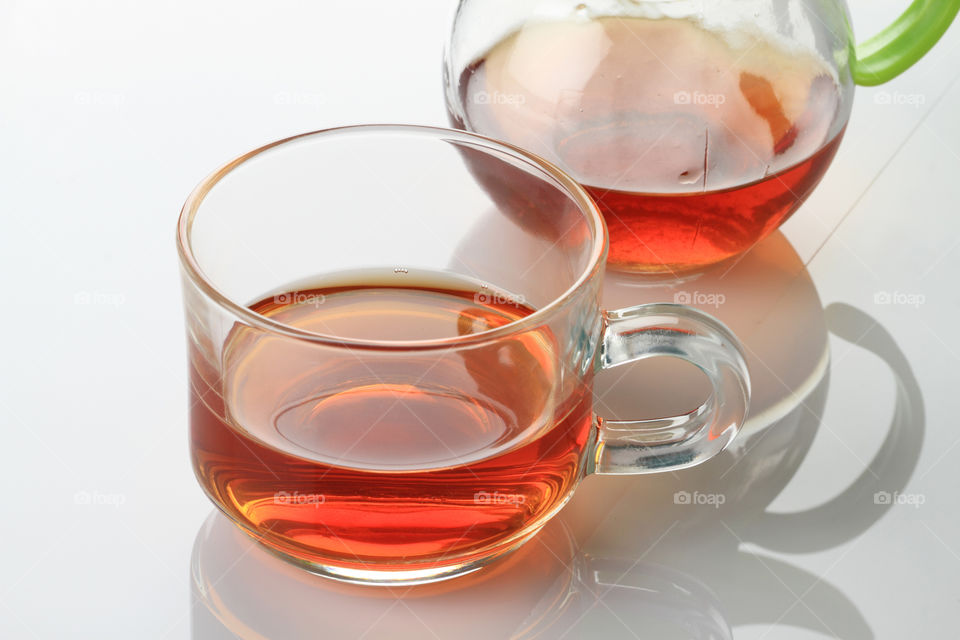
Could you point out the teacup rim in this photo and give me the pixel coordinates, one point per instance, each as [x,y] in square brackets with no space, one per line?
[593,269]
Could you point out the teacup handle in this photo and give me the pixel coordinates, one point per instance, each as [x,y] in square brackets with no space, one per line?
[647,446]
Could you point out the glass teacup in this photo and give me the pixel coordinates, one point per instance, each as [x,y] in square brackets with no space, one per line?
[372,407]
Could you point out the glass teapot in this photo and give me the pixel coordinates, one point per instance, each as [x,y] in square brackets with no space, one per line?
[698,126]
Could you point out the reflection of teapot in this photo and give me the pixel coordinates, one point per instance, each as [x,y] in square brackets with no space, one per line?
[698,127]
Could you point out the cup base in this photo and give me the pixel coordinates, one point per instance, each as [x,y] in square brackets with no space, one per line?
[392,578]
[658,274]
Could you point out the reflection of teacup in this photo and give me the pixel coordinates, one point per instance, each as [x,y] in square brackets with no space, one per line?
[544,589]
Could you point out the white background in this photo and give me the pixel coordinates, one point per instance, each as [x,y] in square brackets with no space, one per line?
[110,112]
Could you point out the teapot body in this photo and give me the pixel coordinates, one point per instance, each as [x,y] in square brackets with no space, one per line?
[697,127]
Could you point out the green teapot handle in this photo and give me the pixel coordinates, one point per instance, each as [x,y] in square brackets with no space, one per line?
[896,48]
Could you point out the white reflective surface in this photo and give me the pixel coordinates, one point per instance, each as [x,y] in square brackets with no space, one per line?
[835,516]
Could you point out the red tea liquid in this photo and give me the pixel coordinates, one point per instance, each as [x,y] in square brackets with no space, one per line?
[399,460]
[694,144]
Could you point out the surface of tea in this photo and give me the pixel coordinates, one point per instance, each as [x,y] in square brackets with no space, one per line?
[694,144]
[399,457]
